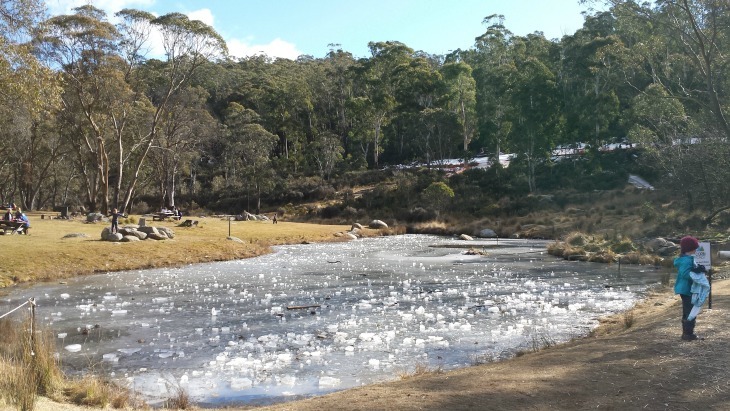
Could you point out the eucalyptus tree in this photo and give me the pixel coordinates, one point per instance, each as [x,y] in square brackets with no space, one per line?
[494,72]
[414,131]
[461,98]
[374,99]
[536,107]
[188,45]
[338,66]
[249,147]
[83,45]
[326,152]
[681,55]
[688,42]
[589,79]
[184,127]
[29,93]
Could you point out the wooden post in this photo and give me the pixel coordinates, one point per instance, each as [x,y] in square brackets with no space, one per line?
[32,325]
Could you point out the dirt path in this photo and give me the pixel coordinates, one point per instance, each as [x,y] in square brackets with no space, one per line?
[645,366]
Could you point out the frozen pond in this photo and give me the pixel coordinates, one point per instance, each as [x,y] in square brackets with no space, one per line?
[236,332]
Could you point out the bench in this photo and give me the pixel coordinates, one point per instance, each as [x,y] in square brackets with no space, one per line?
[12,227]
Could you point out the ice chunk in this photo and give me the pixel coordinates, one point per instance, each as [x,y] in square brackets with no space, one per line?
[73,348]
[239,384]
[328,382]
[111,357]
[287,380]
[62,335]
[64,296]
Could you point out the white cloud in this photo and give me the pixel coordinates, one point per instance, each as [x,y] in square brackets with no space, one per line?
[204,15]
[236,47]
[56,7]
[275,48]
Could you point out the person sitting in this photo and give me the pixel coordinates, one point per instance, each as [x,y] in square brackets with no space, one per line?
[8,216]
[20,216]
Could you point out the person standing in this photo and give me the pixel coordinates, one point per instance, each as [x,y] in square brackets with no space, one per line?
[115,220]
[685,263]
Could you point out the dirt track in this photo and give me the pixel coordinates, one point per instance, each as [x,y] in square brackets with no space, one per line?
[645,366]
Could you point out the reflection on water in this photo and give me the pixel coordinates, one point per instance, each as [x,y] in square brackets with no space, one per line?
[315,318]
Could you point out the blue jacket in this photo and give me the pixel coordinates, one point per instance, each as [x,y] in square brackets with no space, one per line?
[700,288]
[683,284]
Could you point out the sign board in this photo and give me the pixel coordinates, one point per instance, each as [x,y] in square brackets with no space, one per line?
[703,255]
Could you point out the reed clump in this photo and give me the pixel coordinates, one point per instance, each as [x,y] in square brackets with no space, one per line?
[28,364]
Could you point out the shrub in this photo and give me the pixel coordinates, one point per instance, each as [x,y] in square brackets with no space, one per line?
[330,211]
[576,239]
[139,208]
[419,215]
[623,247]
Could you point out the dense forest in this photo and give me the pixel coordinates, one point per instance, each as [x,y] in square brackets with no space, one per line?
[89,121]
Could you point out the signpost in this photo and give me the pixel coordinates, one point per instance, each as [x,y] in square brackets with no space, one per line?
[703,256]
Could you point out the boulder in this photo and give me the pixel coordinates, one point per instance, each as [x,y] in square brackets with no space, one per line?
[76,235]
[235,240]
[129,239]
[115,237]
[377,224]
[657,244]
[487,233]
[466,237]
[667,251]
[350,236]
[167,231]
[356,226]
[339,234]
[157,236]
[126,231]
[105,233]
[149,230]
[139,234]
[94,217]
[356,231]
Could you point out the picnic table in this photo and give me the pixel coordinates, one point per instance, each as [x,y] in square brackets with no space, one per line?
[165,215]
[11,226]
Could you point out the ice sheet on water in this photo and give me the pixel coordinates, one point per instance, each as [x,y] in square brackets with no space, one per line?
[390,303]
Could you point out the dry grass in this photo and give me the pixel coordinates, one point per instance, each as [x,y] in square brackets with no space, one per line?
[420,369]
[180,400]
[28,367]
[46,255]
[95,392]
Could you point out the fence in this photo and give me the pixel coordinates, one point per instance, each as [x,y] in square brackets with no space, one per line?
[31,303]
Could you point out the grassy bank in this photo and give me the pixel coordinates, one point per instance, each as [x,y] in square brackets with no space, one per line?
[45,254]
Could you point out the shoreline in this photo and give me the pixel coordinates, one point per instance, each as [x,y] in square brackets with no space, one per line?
[603,369]
[641,366]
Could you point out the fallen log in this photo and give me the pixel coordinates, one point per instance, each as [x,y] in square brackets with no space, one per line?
[301,307]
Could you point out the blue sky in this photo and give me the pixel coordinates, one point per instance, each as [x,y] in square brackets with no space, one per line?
[288,28]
